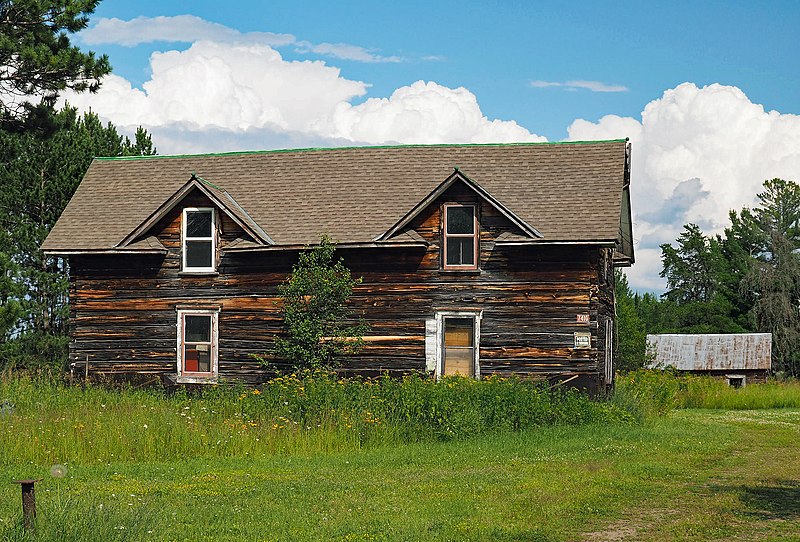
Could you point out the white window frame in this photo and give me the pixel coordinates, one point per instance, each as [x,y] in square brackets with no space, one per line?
[476,235]
[185,377]
[184,241]
[609,355]
[476,315]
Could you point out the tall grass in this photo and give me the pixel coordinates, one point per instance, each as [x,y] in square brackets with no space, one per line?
[657,392]
[300,414]
[707,392]
[71,519]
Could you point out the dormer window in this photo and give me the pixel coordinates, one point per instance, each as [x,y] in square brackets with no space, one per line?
[199,246]
[460,236]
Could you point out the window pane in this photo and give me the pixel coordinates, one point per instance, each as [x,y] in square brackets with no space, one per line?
[460,220]
[459,332]
[459,361]
[197,358]
[198,254]
[460,251]
[198,224]
[197,329]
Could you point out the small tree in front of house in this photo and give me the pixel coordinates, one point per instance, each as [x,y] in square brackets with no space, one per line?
[319,326]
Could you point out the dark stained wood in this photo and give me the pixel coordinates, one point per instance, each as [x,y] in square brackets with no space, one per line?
[123,308]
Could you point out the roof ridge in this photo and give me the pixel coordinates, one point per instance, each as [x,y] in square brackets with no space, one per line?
[209,183]
[316,149]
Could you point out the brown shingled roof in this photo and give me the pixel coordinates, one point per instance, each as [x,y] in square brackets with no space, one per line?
[567,191]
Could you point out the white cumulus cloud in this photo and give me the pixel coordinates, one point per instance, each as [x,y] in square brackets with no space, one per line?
[697,153]
[219,85]
[423,113]
[247,91]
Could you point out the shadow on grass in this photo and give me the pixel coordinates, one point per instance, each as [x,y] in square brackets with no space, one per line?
[780,499]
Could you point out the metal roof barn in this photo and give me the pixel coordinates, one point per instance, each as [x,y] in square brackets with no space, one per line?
[712,352]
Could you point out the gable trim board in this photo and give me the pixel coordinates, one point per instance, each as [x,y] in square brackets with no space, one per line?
[207,189]
[457,176]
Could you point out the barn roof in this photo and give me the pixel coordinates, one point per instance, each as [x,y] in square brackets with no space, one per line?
[564,192]
[711,351]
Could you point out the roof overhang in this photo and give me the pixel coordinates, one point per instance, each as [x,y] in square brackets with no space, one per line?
[624,250]
[65,252]
[277,248]
[459,176]
[148,245]
[550,242]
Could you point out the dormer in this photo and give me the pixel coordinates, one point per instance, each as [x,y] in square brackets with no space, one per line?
[451,218]
[198,209]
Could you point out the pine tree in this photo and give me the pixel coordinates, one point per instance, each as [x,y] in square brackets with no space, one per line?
[37,60]
[39,172]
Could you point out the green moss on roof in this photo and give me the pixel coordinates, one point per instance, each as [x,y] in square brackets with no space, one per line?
[316,149]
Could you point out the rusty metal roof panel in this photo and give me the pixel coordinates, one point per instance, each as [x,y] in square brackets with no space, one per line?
[712,352]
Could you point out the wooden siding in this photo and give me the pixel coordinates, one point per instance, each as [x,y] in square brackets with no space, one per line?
[123,308]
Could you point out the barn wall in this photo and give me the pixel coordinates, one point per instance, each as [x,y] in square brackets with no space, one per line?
[124,307]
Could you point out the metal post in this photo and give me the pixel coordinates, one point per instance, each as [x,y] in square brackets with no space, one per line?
[28,502]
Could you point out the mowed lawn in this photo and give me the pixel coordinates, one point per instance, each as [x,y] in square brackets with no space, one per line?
[691,475]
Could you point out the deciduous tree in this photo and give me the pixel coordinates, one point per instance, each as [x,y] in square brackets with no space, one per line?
[631,336]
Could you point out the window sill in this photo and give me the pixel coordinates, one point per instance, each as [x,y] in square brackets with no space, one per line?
[460,271]
[196,380]
[198,273]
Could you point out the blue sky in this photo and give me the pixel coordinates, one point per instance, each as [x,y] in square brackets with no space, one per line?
[708,92]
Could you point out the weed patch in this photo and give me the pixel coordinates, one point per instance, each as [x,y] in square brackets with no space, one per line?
[299,414]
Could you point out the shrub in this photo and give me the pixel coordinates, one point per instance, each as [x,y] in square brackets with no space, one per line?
[319,327]
[647,392]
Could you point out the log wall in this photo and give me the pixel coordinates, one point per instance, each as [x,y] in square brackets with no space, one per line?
[123,308]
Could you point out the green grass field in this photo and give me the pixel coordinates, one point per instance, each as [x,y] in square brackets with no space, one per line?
[688,475]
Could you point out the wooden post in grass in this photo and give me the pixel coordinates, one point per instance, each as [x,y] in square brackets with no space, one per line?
[28,502]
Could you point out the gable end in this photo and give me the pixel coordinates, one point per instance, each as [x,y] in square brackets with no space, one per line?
[459,176]
[219,197]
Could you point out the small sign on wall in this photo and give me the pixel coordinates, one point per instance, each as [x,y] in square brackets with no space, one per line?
[582,318]
[583,339]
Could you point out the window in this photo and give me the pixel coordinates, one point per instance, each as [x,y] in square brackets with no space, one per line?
[736,381]
[453,343]
[199,240]
[460,243]
[197,346]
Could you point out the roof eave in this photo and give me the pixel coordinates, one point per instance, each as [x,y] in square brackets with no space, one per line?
[372,244]
[74,252]
[537,242]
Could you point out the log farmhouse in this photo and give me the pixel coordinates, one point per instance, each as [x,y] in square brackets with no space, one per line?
[491,259]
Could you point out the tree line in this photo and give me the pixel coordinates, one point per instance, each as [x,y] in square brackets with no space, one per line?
[746,279]
[44,153]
